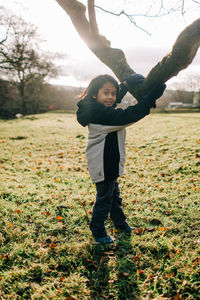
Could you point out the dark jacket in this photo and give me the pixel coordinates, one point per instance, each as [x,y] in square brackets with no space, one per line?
[106,140]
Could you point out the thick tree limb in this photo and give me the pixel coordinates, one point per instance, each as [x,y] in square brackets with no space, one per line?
[182,54]
[99,45]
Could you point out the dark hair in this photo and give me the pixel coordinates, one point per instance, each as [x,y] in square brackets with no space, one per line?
[96,83]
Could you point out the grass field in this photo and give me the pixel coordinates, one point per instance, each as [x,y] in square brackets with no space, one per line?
[46,198]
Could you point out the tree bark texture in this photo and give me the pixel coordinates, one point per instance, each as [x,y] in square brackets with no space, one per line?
[181,55]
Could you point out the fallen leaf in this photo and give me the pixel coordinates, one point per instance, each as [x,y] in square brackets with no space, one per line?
[125,274]
[92,261]
[177,251]
[162,229]
[161,298]
[109,253]
[88,293]
[137,257]
[4,257]
[52,245]
[196,261]
[104,296]
[178,297]
[57,180]
[138,230]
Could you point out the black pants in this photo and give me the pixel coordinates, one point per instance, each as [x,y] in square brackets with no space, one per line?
[107,201]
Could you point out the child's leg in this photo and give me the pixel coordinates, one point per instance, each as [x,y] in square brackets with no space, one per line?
[117,215]
[102,207]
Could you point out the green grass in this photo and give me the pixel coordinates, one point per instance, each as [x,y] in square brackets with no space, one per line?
[46,198]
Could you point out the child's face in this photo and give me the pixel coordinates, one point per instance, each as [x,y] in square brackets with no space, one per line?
[107,94]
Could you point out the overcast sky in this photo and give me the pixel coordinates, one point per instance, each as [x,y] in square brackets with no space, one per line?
[143,50]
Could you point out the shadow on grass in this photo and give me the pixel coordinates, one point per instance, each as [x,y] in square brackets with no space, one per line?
[126,285]
[111,271]
[97,269]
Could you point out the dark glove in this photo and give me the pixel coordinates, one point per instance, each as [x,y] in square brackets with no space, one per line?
[134,80]
[155,93]
[122,92]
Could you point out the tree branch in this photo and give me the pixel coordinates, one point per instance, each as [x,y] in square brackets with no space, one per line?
[92,18]
[7,31]
[182,54]
[96,43]
[2,41]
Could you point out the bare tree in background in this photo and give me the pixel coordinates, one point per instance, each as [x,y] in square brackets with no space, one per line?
[181,55]
[21,62]
[192,82]
[5,26]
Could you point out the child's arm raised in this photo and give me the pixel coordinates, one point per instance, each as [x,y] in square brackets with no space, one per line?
[100,114]
[91,111]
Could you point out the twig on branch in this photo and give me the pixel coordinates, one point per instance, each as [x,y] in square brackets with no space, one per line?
[92,18]
[130,17]
[195,1]
[146,15]
[182,7]
[161,13]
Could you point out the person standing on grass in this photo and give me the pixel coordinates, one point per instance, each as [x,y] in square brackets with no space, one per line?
[106,144]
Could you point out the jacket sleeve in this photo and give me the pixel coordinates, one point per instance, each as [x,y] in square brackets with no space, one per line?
[119,117]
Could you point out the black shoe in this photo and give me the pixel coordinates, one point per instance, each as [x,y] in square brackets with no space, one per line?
[126,229]
[102,240]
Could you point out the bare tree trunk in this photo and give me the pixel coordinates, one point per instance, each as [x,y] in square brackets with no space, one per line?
[182,54]
[21,88]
